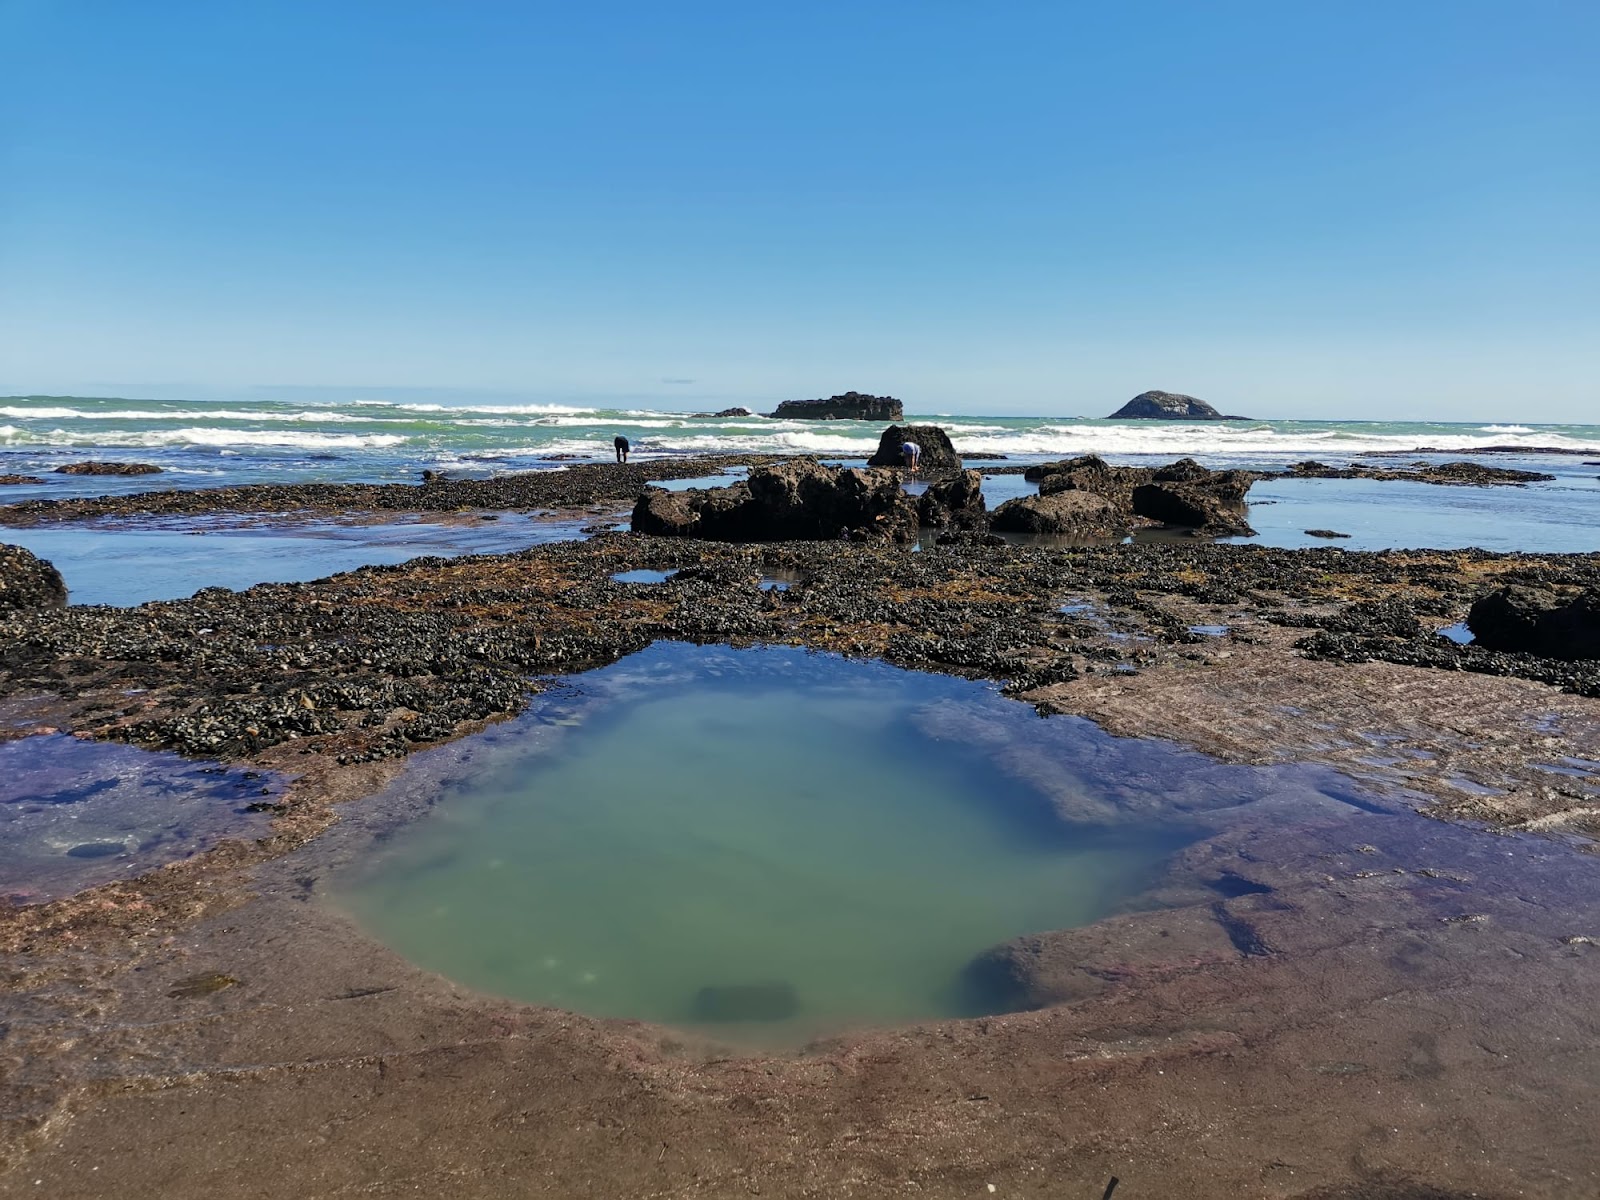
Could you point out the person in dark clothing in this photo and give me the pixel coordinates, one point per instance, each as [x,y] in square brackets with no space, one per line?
[621,444]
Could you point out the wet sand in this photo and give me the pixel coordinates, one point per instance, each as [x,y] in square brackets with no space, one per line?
[1361,1003]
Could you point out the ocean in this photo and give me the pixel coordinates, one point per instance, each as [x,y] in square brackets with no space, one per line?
[199,444]
[272,441]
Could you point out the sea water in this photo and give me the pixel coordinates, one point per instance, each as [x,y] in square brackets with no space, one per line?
[696,824]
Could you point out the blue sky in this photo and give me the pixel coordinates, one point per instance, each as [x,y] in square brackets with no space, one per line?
[1291,209]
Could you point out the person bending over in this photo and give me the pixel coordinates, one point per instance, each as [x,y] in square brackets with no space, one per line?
[912,453]
[620,443]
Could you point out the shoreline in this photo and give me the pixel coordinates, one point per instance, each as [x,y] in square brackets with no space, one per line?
[1196,996]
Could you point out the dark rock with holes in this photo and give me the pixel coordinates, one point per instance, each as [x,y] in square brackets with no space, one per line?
[1077,513]
[28,581]
[1539,621]
[848,406]
[795,501]
[939,457]
[1169,406]
[954,503]
[108,468]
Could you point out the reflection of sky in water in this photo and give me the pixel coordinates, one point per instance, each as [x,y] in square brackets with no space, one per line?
[707,817]
[76,813]
[106,564]
[1558,517]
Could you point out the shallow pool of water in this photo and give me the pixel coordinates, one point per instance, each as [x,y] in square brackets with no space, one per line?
[116,562]
[74,814]
[802,841]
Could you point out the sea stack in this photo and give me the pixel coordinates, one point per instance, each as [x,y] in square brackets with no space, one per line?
[1169,406]
[849,406]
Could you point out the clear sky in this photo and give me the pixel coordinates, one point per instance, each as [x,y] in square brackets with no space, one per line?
[1296,209]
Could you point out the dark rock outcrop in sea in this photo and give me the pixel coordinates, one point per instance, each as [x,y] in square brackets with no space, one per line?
[938,455]
[727,412]
[108,468]
[849,406]
[1467,474]
[800,500]
[1183,494]
[1169,406]
[1535,620]
[1325,533]
[12,479]
[954,503]
[28,581]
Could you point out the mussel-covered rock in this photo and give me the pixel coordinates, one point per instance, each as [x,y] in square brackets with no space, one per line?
[1069,512]
[27,581]
[1538,621]
[954,503]
[108,468]
[794,501]
[1190,506]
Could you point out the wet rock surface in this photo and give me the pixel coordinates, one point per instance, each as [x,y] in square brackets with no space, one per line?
[28,581]
[1184,494]
[954,503]
[1070,513]
[847,406]
[6,480]
[1336,1006]
[938,457]
[1461,474]
[108,468]
[803,499]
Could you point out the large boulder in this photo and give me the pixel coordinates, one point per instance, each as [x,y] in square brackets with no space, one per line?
[1073,513]
[798,500]
[108,468]
[1538,621]
[1091,474]
[1169,406]
[954,503]
[1190,506]
[850,406]
[938,455]
[27,581]
[1183,494]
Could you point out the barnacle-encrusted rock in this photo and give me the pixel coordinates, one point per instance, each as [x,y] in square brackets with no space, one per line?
[27,581]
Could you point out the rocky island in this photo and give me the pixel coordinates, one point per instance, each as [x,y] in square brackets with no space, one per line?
[848,406]
[1169,406]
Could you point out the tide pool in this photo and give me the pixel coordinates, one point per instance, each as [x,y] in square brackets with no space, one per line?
[789,841]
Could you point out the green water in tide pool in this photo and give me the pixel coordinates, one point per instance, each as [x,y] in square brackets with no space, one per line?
[791,841]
